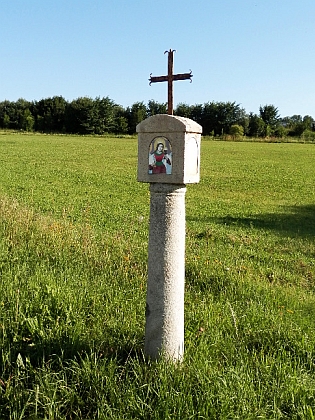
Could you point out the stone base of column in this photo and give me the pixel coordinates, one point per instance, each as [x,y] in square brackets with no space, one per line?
[164,332]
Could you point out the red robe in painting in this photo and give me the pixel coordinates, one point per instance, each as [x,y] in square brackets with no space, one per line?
[158,167]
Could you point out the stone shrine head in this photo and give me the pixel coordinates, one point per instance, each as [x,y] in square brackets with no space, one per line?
[169,150]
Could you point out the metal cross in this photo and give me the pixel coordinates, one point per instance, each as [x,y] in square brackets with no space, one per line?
[170,78]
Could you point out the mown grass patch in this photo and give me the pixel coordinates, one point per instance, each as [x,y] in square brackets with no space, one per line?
[73,252]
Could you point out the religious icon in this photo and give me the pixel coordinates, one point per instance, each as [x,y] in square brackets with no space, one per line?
[160,156]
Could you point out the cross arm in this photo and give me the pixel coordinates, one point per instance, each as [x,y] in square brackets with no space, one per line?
[155,79]
[182,76]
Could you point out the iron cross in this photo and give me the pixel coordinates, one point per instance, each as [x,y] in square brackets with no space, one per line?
[170,78]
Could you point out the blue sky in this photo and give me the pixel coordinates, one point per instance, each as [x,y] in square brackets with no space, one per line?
[253,52]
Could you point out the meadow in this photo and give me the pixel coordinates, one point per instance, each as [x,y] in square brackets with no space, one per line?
[73,267]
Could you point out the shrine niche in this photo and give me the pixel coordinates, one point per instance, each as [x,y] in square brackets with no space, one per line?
[160,156]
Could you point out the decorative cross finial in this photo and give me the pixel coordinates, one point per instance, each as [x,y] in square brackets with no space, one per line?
[170,78]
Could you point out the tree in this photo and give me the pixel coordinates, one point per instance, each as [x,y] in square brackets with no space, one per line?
[155,108]
[280,131]
[136,114]
[308,122]
[236,131]
[50,114]
[58,113]
[27,121]
[256,126]
[296,124]
[290,122]
[5,114]
[101,115]
[218,117]
[80,116]
[183,110]
[121,121]
[270,116]
[196,113]
[16,115]
[308,135]
[5,121]
[104,116]
[209,119]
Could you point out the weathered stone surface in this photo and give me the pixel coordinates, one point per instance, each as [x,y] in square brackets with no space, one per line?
[183,137]
[168,158]
[164,334]
[168,124]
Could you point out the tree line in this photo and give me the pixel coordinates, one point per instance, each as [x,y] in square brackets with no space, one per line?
[85,115]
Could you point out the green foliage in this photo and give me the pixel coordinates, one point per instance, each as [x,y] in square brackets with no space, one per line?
[136,114]
[27,121]
[296,125]
[73,256]
[121,125]
[280,131]
[81,116]
[256,127]
[155,108]
[270,115]
[100,116]
[216,117]
[236,130]
[308,135]
[183,110]
[6,121]
[49,114]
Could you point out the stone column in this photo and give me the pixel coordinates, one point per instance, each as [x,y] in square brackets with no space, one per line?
[164,333]
[168,159]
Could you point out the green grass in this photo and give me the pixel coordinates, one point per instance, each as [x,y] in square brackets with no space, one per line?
[73,252]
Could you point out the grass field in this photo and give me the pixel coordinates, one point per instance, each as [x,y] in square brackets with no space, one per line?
[73,252]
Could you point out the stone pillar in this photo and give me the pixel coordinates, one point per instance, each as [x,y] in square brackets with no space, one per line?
[164,333]
[168,159]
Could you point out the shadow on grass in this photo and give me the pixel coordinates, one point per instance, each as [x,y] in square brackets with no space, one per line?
[68,376]
[66,348]
[295,221]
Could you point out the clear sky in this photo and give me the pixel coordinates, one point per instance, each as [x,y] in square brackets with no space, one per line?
[253,52]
